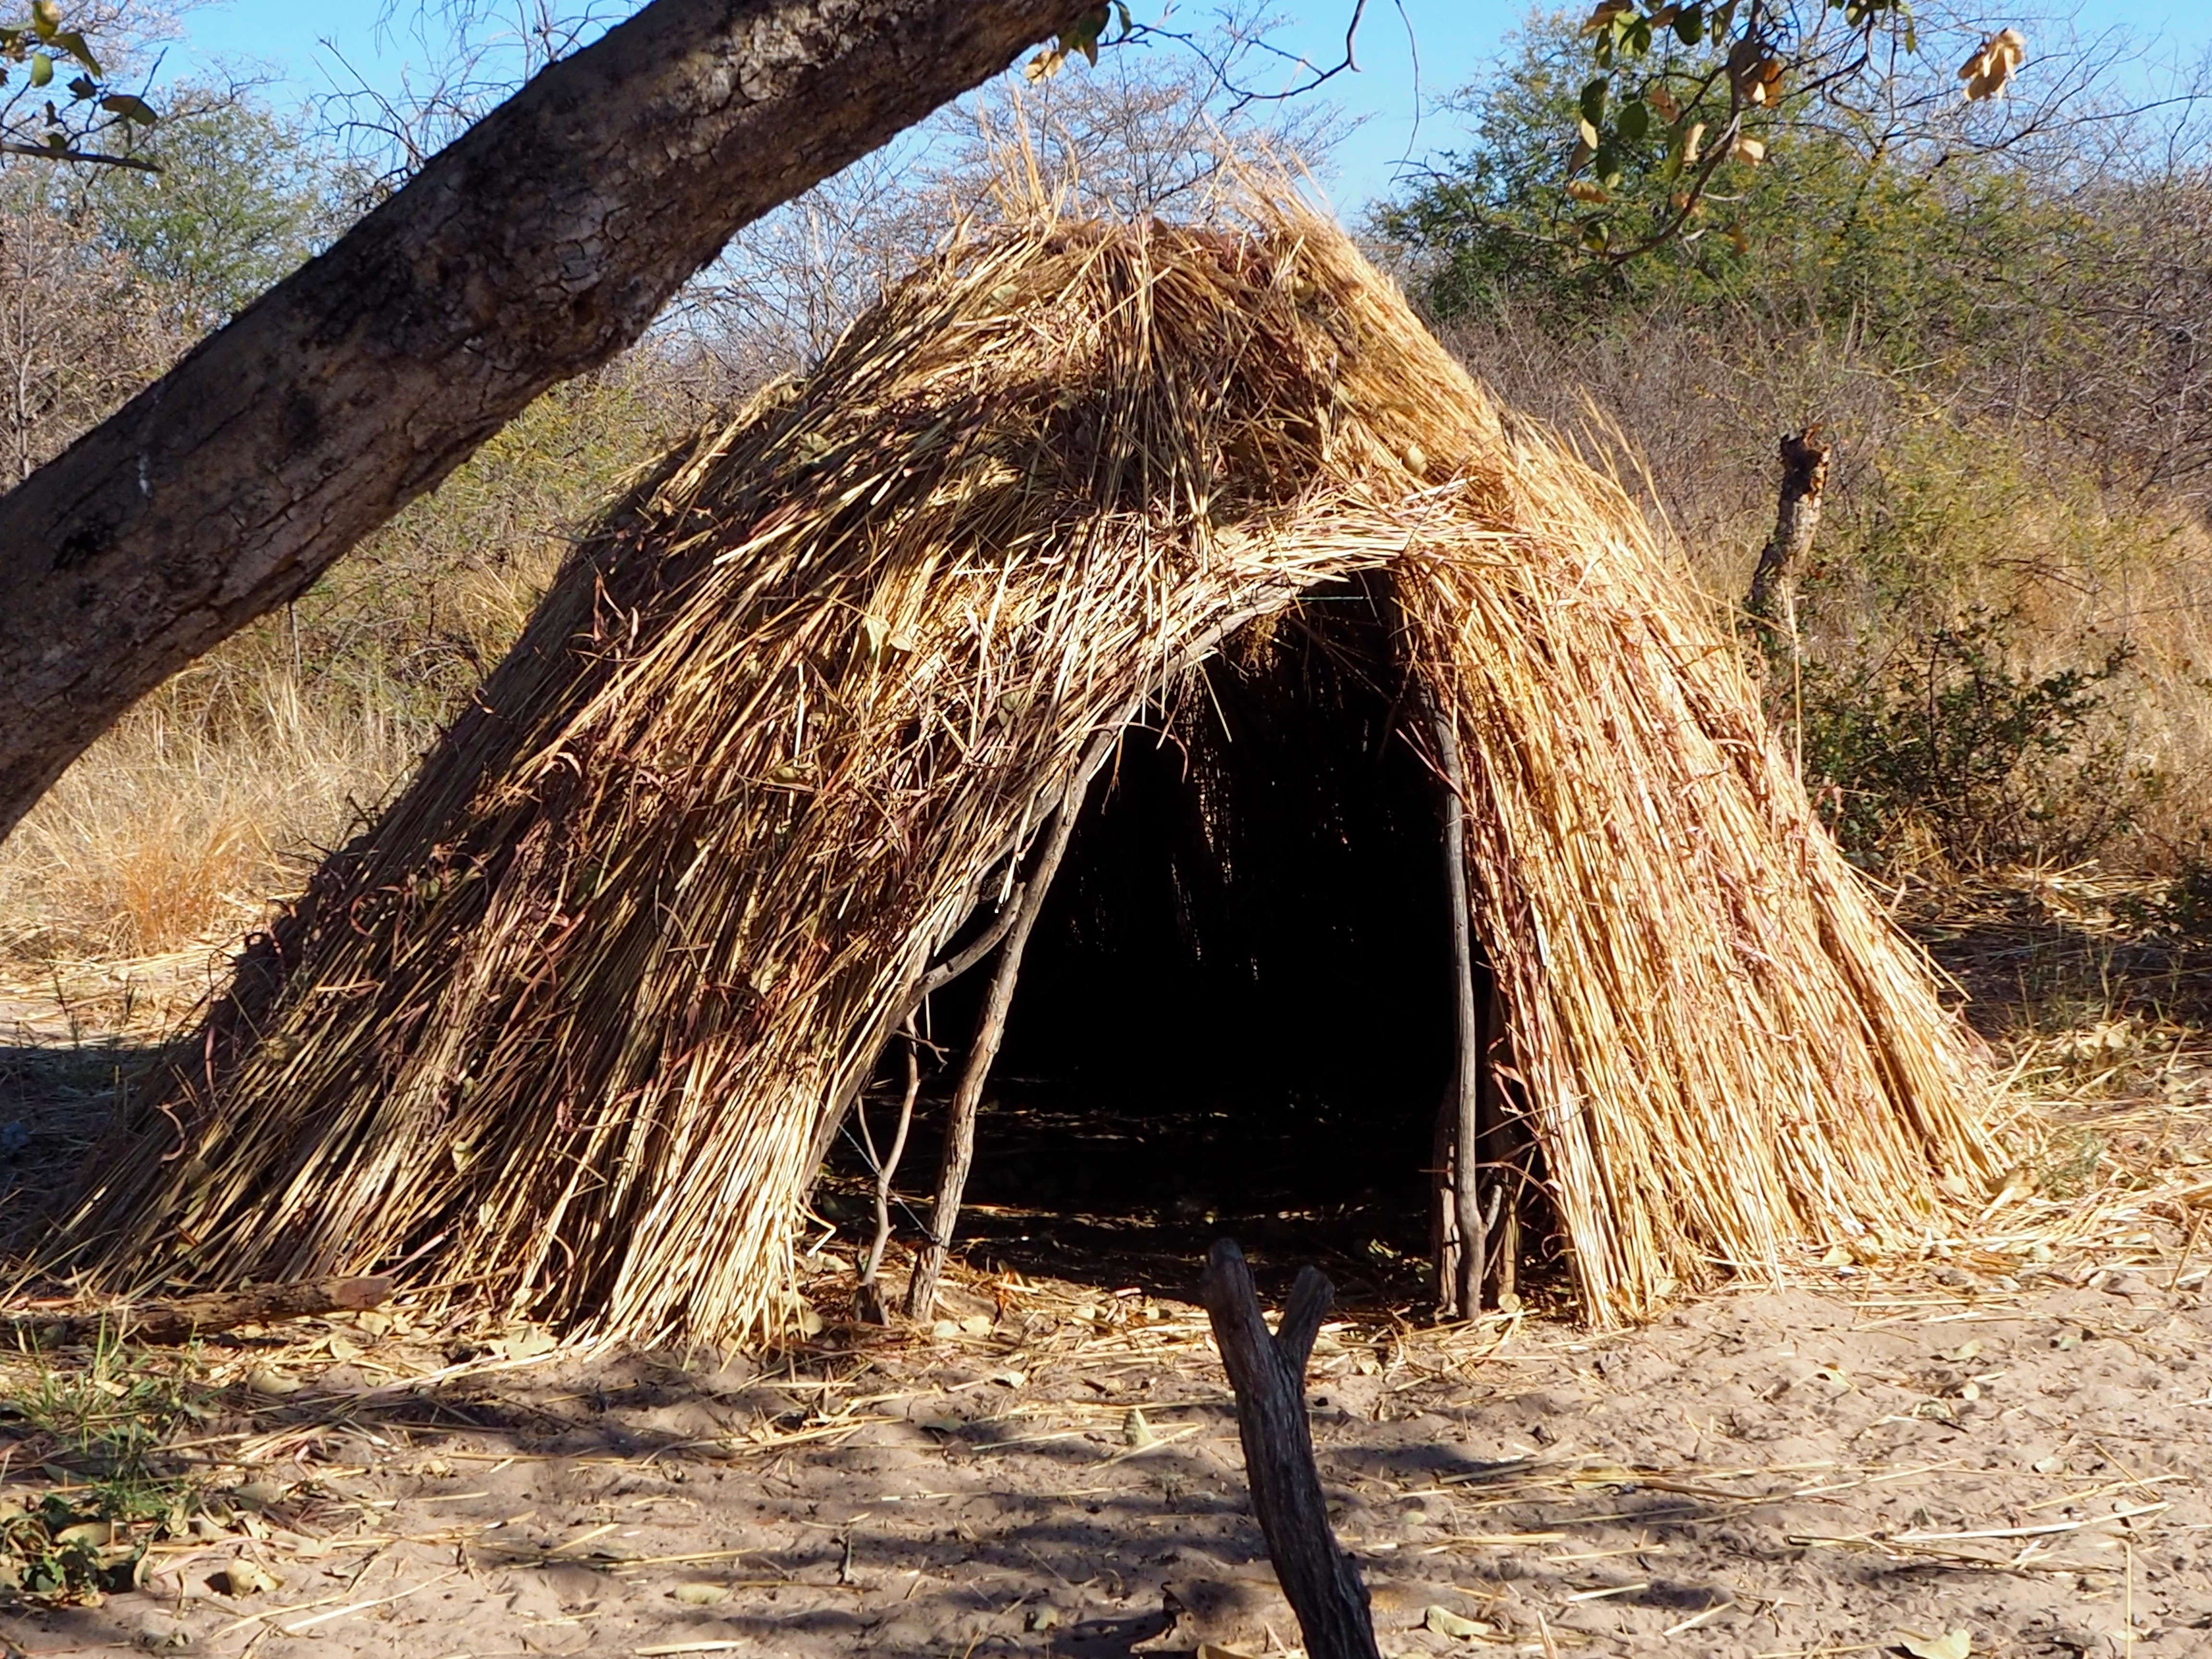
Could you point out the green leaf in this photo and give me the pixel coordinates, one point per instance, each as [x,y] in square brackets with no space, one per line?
[129,107]
[1690,25]
[1592,103]
[42,68]
[1633,121]
[73,43]
[1083,34]
[45,18]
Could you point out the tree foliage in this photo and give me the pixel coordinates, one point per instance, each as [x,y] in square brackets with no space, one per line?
[2031,261]
[58,101]
[1679,91]
[1693,167]
[244,194]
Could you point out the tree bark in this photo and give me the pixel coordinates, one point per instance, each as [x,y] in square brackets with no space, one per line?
[536,246]
[1324,1587]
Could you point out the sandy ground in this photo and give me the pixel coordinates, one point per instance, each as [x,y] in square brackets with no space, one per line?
[1796,1472]
[2006,1448]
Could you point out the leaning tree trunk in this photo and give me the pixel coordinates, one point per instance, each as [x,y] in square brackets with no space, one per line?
[537,246]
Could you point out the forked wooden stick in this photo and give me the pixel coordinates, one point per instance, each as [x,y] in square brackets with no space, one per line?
[1268,1373]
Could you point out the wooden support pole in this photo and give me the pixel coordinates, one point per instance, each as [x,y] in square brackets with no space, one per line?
[1268,1373]
[959,1154]
[926,980]
[1468,1259]
[868,1301]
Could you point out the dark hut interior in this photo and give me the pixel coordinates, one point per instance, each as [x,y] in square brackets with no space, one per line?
[1236,1014]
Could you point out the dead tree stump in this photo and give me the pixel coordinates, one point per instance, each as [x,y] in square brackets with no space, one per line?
[1772,604]
[1268,1373]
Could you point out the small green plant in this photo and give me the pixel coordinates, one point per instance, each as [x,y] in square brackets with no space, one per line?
[95,1429]
[1946,736]
[58,1551]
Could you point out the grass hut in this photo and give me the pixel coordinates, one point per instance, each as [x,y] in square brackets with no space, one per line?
[816,706]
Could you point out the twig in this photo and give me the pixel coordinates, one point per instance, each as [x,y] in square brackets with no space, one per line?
[2049,1529]
[2188,1244]
[871,1300]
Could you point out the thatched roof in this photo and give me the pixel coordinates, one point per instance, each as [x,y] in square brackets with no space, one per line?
[564,1027]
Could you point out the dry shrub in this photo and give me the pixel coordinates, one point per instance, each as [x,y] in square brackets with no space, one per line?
[177,826]
[2033,646]
[1951,549]
[80,329]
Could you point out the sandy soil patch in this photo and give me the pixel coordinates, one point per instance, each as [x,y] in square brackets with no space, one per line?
[1769,1473]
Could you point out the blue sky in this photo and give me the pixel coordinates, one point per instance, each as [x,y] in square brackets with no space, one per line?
[1454,39]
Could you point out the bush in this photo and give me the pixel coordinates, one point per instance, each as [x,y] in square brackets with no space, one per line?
[1946,739]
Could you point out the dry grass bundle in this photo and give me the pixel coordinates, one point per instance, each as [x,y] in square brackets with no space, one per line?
[178,824]
[565,1030]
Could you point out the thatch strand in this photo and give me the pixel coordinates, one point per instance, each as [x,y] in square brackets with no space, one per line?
[567,1027]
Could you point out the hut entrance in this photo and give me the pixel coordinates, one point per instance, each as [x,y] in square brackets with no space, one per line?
[1235,1013]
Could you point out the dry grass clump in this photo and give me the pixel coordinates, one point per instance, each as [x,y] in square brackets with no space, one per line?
[568,1027]
[176,827]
